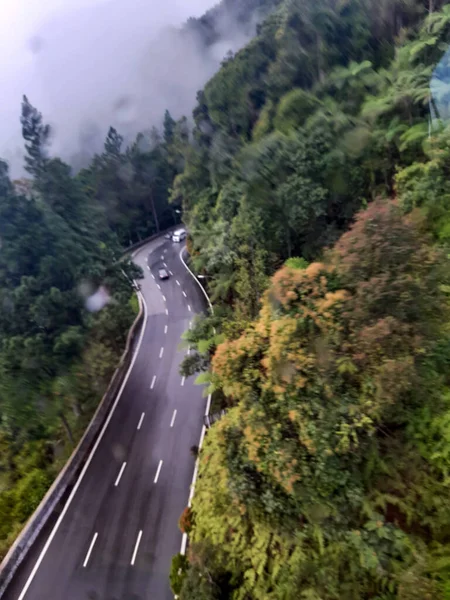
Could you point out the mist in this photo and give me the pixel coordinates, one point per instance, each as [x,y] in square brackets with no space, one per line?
[116,62]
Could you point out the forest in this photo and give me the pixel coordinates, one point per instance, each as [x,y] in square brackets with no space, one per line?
[66,289]
[67,294]
[316,193]
[313,178]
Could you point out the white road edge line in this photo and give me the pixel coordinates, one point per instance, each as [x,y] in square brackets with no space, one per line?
[183,379]
[208,405]
[94,539]
[165,328]
[196,279]
[161,352]
[140,421]
[173,418]
[194,477]
[158,471]
[136,548]
[153,382]
[120,474]
[88,462]
[183,544]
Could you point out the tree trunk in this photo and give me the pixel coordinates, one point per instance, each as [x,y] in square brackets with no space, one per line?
[155,216]
[67,427]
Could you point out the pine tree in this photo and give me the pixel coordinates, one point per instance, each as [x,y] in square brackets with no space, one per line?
[37,135]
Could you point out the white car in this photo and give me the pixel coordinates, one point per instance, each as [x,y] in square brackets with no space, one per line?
[179,235]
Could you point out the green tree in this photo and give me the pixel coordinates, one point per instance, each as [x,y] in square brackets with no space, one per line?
[37,135]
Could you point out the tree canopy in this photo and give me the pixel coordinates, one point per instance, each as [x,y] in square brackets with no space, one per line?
[316,195]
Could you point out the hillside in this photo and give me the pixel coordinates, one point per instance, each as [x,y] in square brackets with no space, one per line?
[66,295]
[316,192]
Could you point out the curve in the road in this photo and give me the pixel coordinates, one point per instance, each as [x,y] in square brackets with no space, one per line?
[118,530]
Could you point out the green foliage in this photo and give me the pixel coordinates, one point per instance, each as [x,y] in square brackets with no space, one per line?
[130,187]
[294,109]
[177,574]
[296,262]
[56,357]
[318,483]
[328,476]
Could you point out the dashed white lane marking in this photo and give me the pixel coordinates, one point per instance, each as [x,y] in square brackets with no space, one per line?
[140,421]
[153,276]
[161,352]
[162,257]
[184,294]
[189,307]
[190,324]
[183,379]
[153,382]
[136,548]
[120,474]
[148,267]
[178,283]
[158,471]
[171,273]
[165,250]
[167,312]
[173,418]
[165,265]
[164,298]
[189,350]
[165,328]
[159,287]
[86,560]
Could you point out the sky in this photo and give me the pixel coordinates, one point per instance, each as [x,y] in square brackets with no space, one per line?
[88,64]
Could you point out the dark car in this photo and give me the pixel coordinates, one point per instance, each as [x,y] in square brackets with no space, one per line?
[163,274]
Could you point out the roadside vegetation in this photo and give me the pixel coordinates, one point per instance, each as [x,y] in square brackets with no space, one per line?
[317,198]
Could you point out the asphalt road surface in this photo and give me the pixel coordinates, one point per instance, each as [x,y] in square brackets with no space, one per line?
[120,531]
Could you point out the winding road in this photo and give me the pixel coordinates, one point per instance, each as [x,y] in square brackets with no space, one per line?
[117,533]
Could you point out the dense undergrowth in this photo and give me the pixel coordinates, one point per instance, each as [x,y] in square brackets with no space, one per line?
[316,192]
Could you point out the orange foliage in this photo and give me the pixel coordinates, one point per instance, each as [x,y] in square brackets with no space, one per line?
[334,345]
[185,522]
